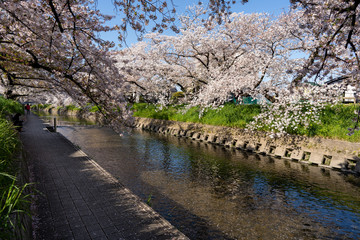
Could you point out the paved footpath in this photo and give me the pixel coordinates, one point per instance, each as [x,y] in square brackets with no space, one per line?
[78,199]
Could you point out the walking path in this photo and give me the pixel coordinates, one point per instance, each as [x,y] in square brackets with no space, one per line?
[78,199]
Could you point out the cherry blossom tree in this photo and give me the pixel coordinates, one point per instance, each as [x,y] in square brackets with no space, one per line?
[211,62]
[139,14]
[248,55]
[53,46]
[301,101]
[327,33]
[145,72]
[336,46]
[324,33]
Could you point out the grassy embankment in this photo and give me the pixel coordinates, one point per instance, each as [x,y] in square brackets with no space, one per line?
[12,198]
[335,120]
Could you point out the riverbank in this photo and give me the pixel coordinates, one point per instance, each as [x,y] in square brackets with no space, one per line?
[333,122]
[328,153]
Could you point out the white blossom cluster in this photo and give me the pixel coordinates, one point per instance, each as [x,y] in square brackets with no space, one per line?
[297,108]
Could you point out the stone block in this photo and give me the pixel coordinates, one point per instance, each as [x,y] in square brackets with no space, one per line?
[297,154]
[232,143]
[326,160]
[250,146]
[239,144]
[262,147]
[204,137]
[270,149]
[280,151]
[189,134]
[182,133]
[214,139]
[228,143]
[222,141]
[316,158]
[288,153]
[195,136]
[338,163]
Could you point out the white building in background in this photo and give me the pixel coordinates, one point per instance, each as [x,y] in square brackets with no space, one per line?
[2,90]
[350,94]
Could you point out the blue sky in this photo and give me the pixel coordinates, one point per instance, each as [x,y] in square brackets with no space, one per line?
[273,7]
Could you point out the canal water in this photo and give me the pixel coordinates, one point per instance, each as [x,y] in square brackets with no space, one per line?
[209,192]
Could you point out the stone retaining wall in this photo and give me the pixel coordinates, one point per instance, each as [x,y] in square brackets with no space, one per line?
[336,154]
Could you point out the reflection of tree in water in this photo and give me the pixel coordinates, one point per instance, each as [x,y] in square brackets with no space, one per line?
[251,181]
[235,189]
[265,179]
[216,169]
[155,152]
[160,157]
[354,180]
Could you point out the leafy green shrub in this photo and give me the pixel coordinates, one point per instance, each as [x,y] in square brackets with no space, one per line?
[94,109]
[12,199]
[43,106]
[8,107]
[72,107]
[334,123]
[8,140]
[91,107]
[13,202]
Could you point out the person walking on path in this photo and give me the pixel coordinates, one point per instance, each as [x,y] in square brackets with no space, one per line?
[27,108]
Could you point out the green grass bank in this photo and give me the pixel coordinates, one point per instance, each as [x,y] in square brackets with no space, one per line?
[334,119]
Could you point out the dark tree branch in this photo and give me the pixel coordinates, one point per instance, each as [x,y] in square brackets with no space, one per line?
[56,16]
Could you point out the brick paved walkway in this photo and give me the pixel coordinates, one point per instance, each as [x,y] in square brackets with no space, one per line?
[80,200]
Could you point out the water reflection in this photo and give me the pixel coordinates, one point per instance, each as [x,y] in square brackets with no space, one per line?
[65,120]
[209,192]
